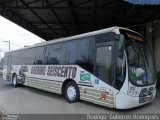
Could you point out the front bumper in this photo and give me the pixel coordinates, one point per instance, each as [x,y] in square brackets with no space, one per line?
[124,101]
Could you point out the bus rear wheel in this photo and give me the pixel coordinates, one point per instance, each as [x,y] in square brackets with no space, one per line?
[14,80]
[72,92]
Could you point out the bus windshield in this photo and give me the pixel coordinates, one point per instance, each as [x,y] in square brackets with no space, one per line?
[140,62]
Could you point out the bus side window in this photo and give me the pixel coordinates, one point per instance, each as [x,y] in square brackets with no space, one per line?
[80,52]
[56,54]
[40,55]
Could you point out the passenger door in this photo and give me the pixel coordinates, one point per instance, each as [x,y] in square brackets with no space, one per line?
[103,91]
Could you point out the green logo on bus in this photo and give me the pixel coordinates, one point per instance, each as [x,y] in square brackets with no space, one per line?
[85,76]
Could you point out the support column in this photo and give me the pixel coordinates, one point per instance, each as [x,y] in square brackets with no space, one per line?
[149,36]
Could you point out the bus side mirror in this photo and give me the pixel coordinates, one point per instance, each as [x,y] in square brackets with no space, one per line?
[121,46]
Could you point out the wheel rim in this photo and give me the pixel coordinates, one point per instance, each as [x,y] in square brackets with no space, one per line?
[14,81]
[71,92]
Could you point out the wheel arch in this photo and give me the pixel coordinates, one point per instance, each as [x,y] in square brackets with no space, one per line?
[12,76]
[65,83]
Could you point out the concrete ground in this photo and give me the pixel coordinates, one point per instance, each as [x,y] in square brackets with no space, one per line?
[25,100]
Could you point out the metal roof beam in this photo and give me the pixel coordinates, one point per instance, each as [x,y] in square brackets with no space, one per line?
[70,4]
[32,2]
[35,22]
[56,15]
[62,8]
[117,14]
[153,16]
[55,3]
[54,29]
[109,3]
[130,11]
[6,2]
[27,3]
[51,4]
[95,13]
[82,3]
[39,17]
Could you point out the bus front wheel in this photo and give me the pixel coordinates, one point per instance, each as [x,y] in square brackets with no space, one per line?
[72,92]
[14,80]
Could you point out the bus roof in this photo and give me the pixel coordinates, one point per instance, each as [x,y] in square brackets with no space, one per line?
[111,29]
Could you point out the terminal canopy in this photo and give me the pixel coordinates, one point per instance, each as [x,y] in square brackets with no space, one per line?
[51,19]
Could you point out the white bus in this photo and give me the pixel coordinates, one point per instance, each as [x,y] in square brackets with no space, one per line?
[112,67]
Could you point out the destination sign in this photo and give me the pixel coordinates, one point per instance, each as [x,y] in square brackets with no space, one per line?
[131,35]
[134,37]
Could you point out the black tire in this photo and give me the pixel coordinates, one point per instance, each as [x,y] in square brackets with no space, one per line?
[23,80]
[14,80]
[72,85]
